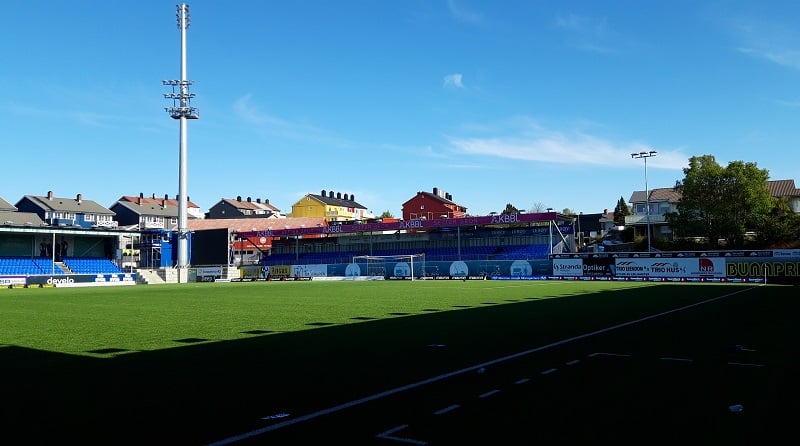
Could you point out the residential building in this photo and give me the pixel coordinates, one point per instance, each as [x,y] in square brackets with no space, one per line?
[665,200]
[10,216]
[333,206]
[238,208]
[6,206]
[151,213]
[68,212]
[661,202]
[429,206]
[595,225]
[786,189]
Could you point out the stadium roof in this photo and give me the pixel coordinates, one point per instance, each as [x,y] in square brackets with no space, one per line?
[256,224]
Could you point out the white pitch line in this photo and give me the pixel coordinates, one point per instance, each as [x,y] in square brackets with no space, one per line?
[388,436]
[667,358]
[574,361]
[447,409]
[522,381]
[473,368]
[549,371]
[620,355]
[745,364]
[488,394]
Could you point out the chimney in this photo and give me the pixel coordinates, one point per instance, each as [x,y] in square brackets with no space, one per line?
[49,195]
[605,211]
[266,200]
[79,198]
[141,194]
[435,191]
[238,198]
[154,195]
[330,194]
[346,197]
[139,200]
[323,192]
[339,195]
[352,197]
[166,196]
[249,200]
[258,200]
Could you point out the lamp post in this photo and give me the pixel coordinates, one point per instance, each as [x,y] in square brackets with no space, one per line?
[644,156]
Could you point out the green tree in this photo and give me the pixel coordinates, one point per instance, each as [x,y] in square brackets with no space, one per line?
[386,214]
[780,228]
[510,209]
[620,211]
[721,203]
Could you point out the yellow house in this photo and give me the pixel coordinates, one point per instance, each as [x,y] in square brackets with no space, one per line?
[332,206]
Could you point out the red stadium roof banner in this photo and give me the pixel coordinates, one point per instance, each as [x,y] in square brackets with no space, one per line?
[405,225]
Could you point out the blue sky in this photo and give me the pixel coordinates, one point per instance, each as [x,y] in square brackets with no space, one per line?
[533,103]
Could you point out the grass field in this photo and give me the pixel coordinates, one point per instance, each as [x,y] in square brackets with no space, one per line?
[385,362]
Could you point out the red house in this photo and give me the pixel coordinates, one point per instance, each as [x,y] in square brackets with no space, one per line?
[431,206]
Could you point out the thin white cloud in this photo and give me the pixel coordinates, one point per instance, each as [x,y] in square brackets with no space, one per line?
[275,126]
[454,80]
[771,41]
[785,103]
[536,144]
[462,14]
[586,33]
[86,118]
[583,25]
[781,56]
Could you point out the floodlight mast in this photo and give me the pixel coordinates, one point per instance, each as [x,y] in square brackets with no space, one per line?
[644,156]
[182,110]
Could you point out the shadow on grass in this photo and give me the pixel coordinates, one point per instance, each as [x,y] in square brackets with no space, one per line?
[205,391]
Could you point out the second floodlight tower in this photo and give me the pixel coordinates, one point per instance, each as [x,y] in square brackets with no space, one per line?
[182,110]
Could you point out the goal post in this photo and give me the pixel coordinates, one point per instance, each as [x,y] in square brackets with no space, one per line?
[400,265]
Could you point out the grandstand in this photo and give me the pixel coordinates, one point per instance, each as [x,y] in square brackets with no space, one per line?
[91,265]
[474,244]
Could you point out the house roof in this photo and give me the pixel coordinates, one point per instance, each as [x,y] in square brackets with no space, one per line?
[6,206]
[20,218]
[668,194]
[435,197]
[250,205]
[340,202]
[153,209]
[777,188]
[256,224]
[158,201]
[77,204]
[783,188]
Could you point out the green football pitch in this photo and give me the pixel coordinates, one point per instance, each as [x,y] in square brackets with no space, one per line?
[393,362]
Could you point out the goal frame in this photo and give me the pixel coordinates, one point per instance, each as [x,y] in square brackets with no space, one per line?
[414,260]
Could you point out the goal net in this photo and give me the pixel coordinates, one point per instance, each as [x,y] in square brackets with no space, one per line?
[397,266]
